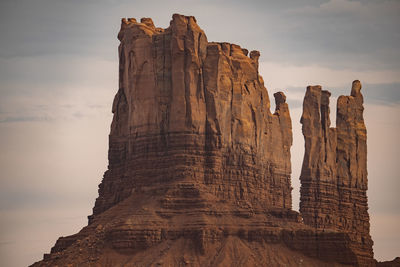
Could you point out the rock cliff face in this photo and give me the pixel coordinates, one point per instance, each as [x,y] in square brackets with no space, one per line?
[190,111]
[334,173]
[199,168]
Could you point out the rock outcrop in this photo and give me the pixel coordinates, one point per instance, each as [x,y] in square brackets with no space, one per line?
[199,168]
[334,173]
[189,111]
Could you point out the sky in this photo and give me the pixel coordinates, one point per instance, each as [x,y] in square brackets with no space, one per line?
[58,77]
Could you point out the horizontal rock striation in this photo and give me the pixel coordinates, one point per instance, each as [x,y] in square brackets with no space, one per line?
[334,173]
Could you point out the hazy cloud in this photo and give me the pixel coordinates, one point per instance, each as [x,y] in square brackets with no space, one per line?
[335,34]
[345,34]
[55,87]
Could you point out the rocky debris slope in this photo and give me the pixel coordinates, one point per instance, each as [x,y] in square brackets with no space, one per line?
[334,173]
[199,168]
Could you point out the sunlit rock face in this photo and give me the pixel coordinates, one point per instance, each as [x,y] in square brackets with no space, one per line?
[334,173]
[199,168]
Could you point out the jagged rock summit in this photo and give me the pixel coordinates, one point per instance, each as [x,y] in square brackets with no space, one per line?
[334,172]
[199,168]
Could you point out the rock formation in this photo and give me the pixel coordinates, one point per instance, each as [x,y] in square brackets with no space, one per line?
[334,173]
[193,112]
[199,168]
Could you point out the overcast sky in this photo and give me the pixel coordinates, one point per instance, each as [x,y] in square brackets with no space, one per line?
[58,77]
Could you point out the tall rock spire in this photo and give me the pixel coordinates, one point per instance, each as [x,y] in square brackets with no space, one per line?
[334,173]
[318,174]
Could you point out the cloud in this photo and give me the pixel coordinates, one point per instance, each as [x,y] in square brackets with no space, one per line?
[332,7]
[23,119]
[279,76]
[47,27]
[62,87]
[341,34]
[359,35]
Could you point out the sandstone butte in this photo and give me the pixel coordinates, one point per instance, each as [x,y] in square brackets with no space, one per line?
[199,168]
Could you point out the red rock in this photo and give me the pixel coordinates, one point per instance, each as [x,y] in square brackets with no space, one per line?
[334,173]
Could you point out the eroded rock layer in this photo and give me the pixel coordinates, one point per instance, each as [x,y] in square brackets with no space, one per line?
[334,173]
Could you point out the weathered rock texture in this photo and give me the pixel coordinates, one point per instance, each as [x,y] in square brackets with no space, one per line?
[189,111]
[334,173]
[199,168]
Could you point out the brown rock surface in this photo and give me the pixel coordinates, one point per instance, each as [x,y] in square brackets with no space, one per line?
[199,168]
[194,112]
[334,173]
